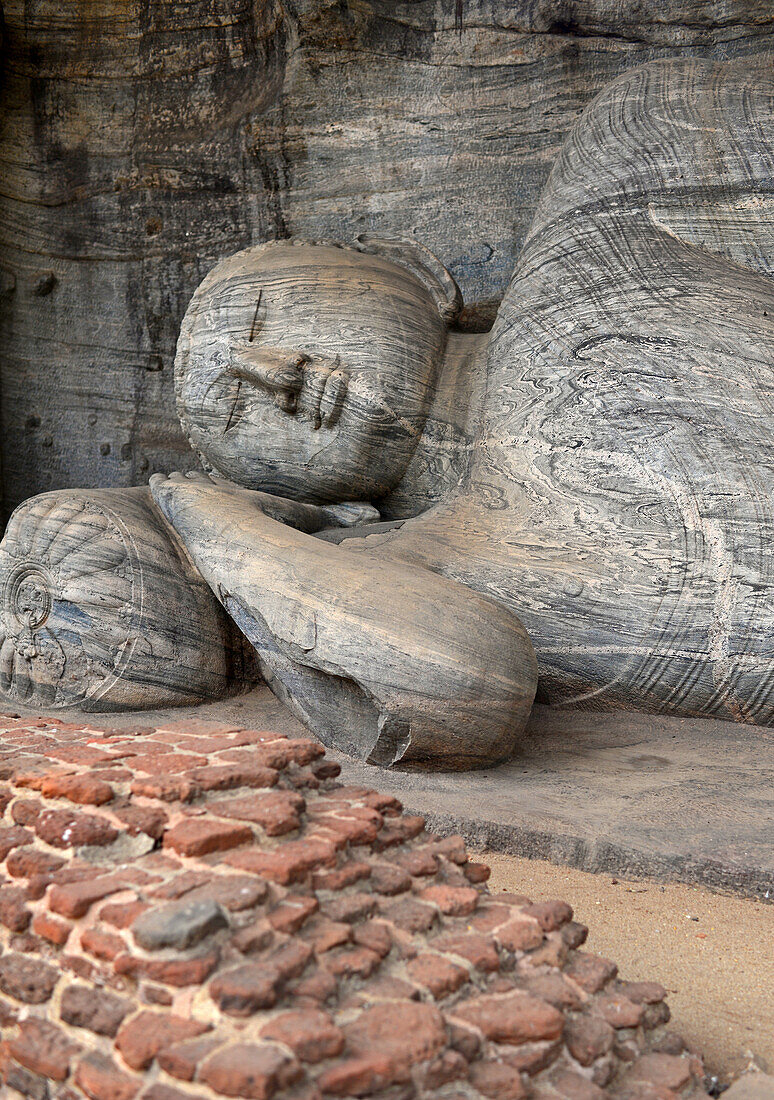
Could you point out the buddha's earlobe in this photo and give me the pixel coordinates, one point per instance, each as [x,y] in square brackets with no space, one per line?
[423,264]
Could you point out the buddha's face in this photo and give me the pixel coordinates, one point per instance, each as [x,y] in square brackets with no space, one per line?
[307,370]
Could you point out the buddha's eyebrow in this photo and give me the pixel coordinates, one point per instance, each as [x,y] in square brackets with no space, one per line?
[256,326]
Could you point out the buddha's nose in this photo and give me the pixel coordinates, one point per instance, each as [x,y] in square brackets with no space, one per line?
[274,369]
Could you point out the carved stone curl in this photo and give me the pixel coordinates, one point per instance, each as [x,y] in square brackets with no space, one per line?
[101,607]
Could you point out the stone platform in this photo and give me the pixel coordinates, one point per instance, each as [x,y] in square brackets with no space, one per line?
[200,911]
[633,795]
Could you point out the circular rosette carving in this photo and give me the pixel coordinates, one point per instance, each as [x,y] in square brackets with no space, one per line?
[71,600]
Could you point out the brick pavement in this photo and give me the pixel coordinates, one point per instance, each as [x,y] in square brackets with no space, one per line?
[191,913]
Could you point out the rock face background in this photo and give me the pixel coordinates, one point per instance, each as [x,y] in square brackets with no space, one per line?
[142,141]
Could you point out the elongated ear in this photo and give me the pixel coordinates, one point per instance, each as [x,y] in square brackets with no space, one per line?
[422,263]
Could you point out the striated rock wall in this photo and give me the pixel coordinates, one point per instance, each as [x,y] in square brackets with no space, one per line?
[141,142]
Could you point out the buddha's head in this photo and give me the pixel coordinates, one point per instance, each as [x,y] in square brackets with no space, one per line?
[307,370]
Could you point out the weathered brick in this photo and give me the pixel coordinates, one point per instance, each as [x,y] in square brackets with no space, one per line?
[101,1079]
[43,1048]
[13,836]
[102,944]
[351,962]
[497,1080]
[618,1011]
[437,974]
[389,879]
[455,901]
[14,913]
[349,908]
[27,979]
[25,862]
[70,829]
[142,1037]
[51,929]
[198,836]
[75,899]
[175,972]
[290,863]
[94,1009]
[291,914]
[87,789]
[182,1060]
[254,1070]
[550,915]
[414,1034]
[310,1034]
[410,915]
[515,1017]
[357,1076]
[591,972]
[180,925]
[277,812]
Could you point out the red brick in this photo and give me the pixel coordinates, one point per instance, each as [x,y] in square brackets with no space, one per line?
[555,989]
[390,880]
[591,972]
[151,820]
[257,1071]
[515,1017]
[497,1081]
[51,929]
[384,803]
[550,915]
[353,962]
[358,824]
[43,1048]
[87,790]
[181,1060]
[346,875]
[417,861]
[26,811]
[122,914]
[519,934]
[25,862]
[13,836]
[175,972]
[171,763]
[101,1079]
[357,1076]
[412,1035]
[375,935]
[477,873]
[291,914]
[225,777]
[617,1010]
[27,979]
[167,788]
[198,836]
[572,1086]
[324,934]
[588,1038]
[14,913]
[396,830]
[454,901]
[277,812]
[664,1070]
[93,1009]
[410,915]
[647,993]
[310,1034]
[75,899]
[349,908]
[144,1035]
[69,829]
[103,945]
[290,863]
[437,974]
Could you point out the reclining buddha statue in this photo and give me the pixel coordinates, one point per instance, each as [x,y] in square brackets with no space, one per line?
[417,529]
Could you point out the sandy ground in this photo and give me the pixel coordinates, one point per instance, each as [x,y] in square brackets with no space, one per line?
[719,969]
